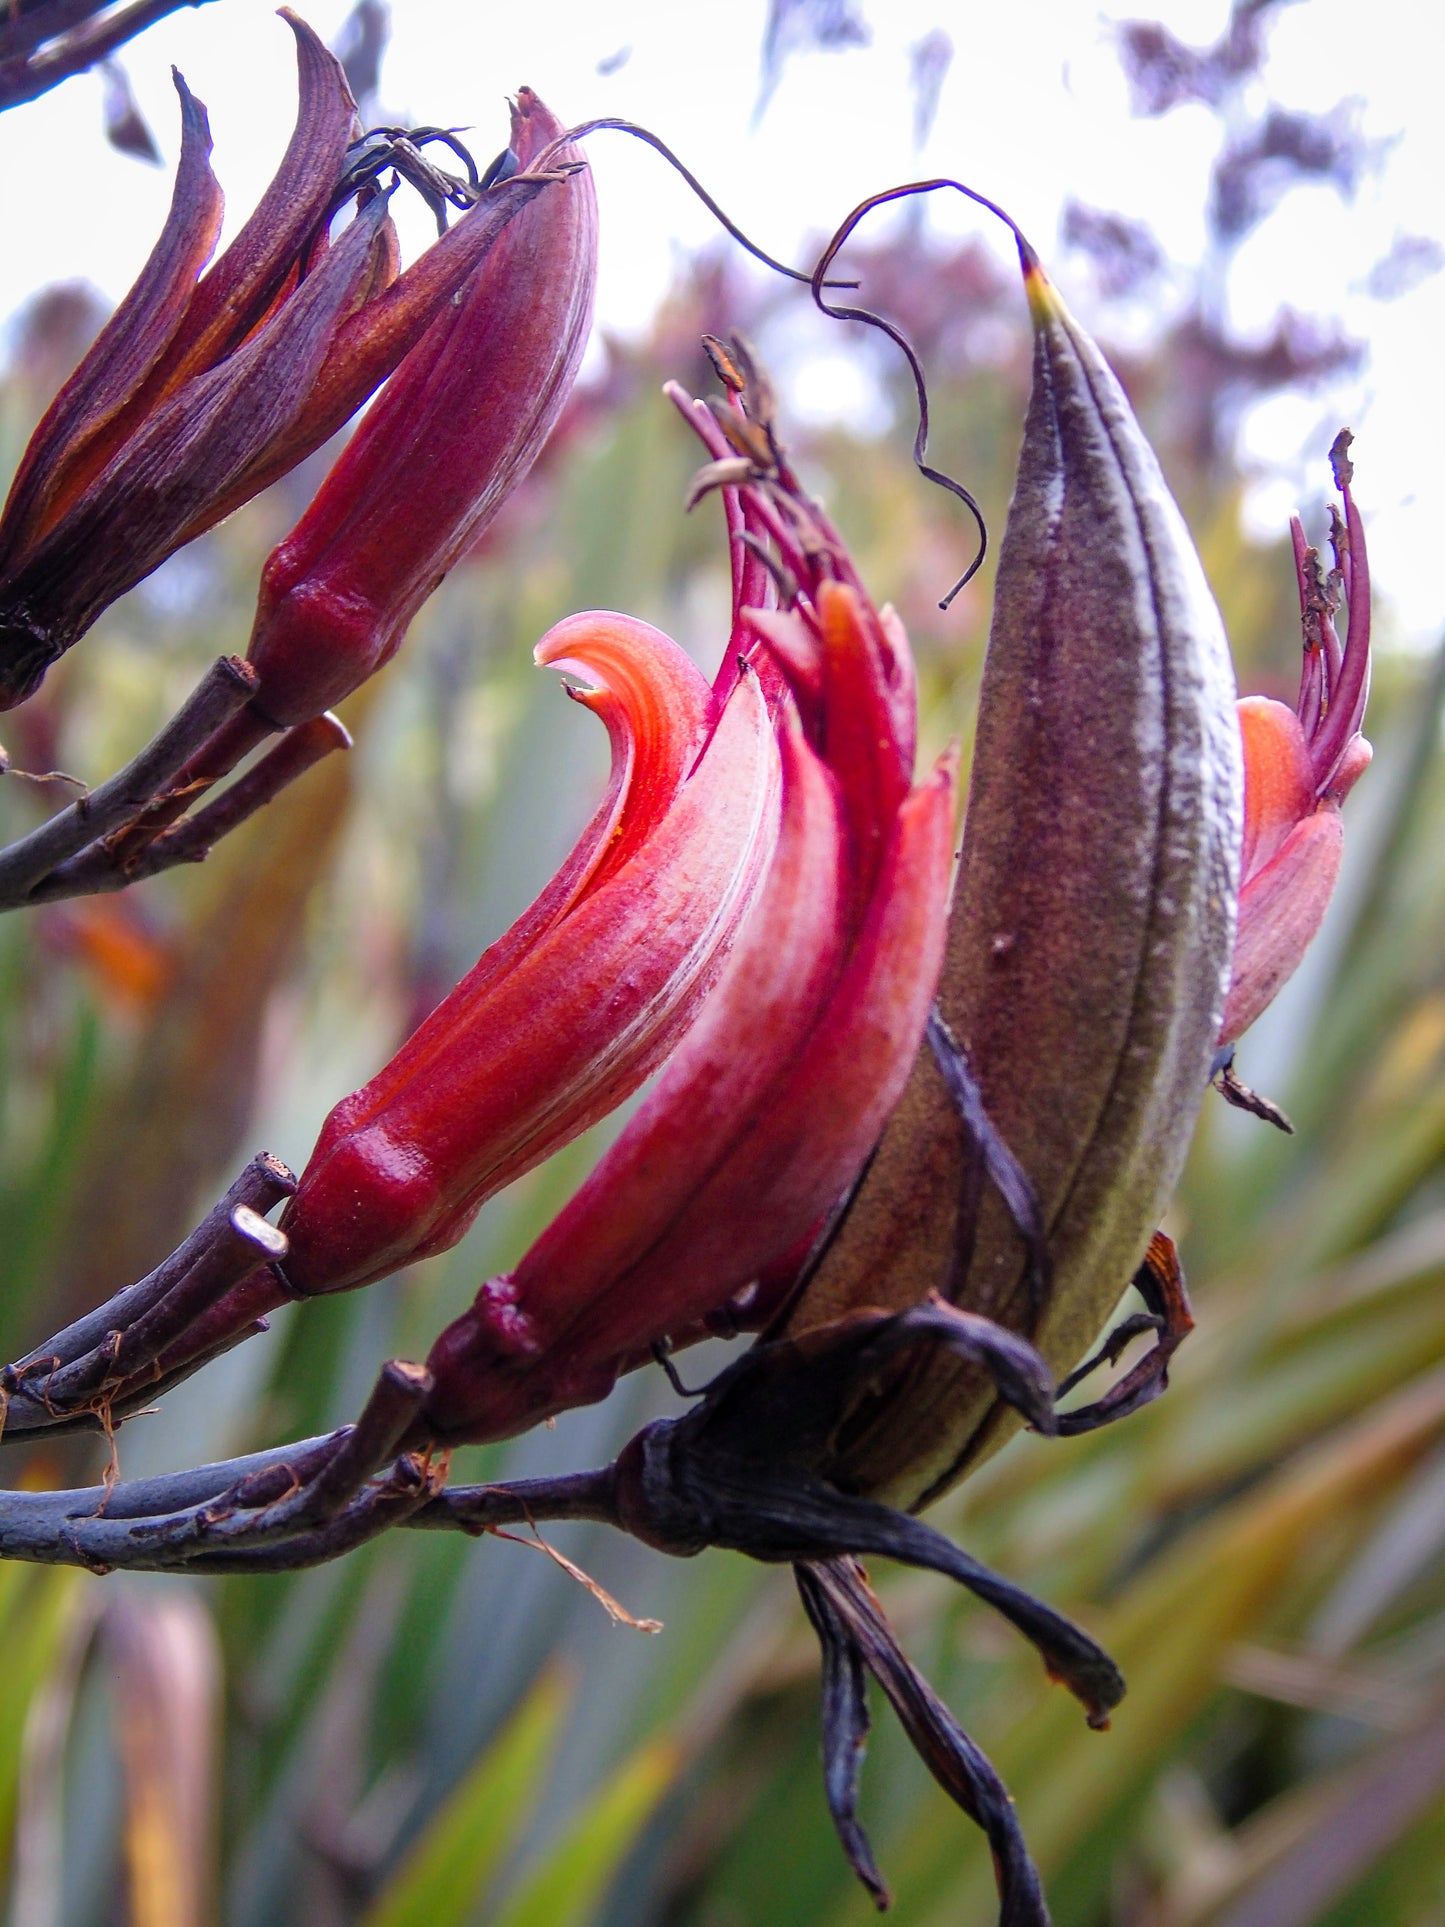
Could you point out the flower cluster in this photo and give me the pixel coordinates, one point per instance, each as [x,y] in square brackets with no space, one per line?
[774,1097]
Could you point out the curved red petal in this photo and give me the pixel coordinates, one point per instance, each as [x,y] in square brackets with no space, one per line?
[1279,784]
[499,1077]
[861,740]
[656,706]
[92,414]
[1280,910]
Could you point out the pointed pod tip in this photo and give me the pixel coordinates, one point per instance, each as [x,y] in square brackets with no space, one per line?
[1045,304]
[534,126]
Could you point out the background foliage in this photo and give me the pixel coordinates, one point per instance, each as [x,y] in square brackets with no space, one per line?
[452,1732]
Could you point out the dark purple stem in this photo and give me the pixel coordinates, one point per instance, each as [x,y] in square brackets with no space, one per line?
[227,687]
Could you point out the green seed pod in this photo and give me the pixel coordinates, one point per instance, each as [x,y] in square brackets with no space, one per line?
[1090,939]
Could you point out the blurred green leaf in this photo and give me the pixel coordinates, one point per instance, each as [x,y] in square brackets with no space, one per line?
[28,1205]
[1302,1858]
[35,1608]
[579,1864]
[465,1845]
[182,1115]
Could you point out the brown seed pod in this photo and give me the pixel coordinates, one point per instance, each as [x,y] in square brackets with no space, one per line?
[1090,937]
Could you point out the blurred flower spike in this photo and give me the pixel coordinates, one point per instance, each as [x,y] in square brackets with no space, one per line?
[203,388]
[1300,764]
[773,1099]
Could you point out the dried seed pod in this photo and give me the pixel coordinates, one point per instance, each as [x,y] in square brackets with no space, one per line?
[1090,937]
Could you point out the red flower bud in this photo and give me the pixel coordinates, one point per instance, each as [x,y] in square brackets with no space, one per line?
[459,424]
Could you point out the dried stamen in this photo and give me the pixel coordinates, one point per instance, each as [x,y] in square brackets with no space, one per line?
[840,313]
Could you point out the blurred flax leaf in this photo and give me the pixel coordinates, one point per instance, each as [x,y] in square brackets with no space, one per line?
[181,1116]
[465,1845]
[164,1661]
[1407,1884]
[1168,1634]
[1288,1395]
[1306,1852]
[35,1609]
[577,1866]
[33,1226]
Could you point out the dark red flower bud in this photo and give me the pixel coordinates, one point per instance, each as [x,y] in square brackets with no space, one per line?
[459,424]
[199,392]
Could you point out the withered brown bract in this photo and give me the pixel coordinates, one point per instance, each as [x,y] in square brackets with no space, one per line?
[1090,937]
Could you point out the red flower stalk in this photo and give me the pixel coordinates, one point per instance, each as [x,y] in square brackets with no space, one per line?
[1299,765]
[774,1098]
[202,389]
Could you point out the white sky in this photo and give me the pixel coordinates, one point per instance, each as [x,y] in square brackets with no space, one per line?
[1034,109]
